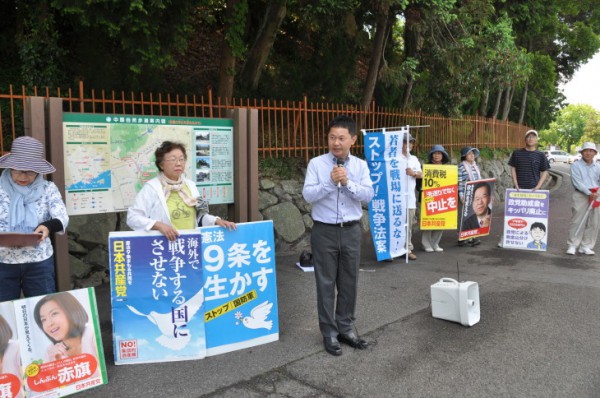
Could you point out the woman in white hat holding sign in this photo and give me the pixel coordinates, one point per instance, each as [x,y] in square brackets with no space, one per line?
[28,204]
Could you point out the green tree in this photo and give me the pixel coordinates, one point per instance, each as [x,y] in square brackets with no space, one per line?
[564,32]
[573,125]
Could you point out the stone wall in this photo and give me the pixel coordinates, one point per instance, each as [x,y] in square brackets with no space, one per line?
[280,200]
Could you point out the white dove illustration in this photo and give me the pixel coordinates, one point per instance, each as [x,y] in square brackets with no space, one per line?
[165,324]
[258,317]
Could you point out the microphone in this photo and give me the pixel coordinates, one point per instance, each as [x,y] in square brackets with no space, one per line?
[340,163]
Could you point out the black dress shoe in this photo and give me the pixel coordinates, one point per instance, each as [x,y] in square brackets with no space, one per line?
[332,346]
[353,340]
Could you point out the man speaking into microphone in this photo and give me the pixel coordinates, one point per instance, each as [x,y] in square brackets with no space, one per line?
[336,183]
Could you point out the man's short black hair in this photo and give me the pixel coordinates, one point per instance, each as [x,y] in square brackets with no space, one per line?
[538,225]
[345,122]
[483,184]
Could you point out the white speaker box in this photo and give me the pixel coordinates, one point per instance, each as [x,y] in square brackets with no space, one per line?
[455,301]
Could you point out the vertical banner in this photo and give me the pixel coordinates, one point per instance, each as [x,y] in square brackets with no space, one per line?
[156,296]
[526,215]
[60,342]
[439,204]
[10,358]
[240,288]
[388,208]
[476,216]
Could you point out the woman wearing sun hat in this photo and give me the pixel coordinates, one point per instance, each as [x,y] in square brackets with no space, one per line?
[28,204]
[431,238]
[467,171]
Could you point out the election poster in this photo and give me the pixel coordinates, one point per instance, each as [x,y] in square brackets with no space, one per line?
[10,356]
[476,216]
[439,197]
[157,297]
[240,287]
[526,215]
[388,210]
[60,343]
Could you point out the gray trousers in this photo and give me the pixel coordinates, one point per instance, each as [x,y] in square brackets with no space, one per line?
[588,233]
[336,257]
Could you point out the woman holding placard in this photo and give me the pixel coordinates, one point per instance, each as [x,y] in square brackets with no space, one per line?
[431,238]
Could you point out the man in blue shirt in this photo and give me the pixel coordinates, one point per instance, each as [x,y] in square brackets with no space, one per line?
[336,183]
[585,176]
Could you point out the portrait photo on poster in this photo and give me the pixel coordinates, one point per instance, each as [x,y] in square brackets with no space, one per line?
[60,343]
[477,208]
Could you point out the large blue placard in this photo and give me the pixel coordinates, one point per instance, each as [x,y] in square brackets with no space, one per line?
[157,297]
[240,287]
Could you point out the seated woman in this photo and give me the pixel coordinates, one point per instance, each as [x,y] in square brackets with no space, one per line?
[171,202]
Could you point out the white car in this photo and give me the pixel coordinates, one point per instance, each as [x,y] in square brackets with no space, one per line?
[559,156]
[574,158]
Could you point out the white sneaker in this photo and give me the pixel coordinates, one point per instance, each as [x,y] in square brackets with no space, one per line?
[586,250]
[438,249]
[428,249]
[501,245]
[571,250]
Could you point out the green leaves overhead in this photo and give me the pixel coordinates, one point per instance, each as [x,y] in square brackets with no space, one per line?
[499,58]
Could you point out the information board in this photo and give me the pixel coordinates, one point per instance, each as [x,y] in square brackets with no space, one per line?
[108,158]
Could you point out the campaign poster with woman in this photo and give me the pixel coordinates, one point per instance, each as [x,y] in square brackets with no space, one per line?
[61,346]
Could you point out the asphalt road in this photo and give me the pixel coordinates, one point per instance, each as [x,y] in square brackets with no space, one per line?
[537,337]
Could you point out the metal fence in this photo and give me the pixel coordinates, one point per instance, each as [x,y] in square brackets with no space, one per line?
[287,129]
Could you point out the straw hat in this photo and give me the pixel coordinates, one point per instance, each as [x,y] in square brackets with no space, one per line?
[27,154]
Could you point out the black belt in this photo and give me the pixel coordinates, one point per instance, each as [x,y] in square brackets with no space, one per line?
[344,224]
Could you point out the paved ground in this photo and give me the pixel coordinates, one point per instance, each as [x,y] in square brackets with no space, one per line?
[538,334]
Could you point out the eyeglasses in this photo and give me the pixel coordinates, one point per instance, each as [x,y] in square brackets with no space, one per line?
[176,160]
[25,173]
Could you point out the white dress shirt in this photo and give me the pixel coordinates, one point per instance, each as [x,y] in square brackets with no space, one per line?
[333,205]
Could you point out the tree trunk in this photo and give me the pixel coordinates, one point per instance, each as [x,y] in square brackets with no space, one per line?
[413,42]
[255,62]
[407,91]
[523,103]
[376,54]
[507,102]
[227,66]
[485,98]
[497,105]
[226,75]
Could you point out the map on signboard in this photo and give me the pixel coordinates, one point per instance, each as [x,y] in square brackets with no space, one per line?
[132,157]
[109,158]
